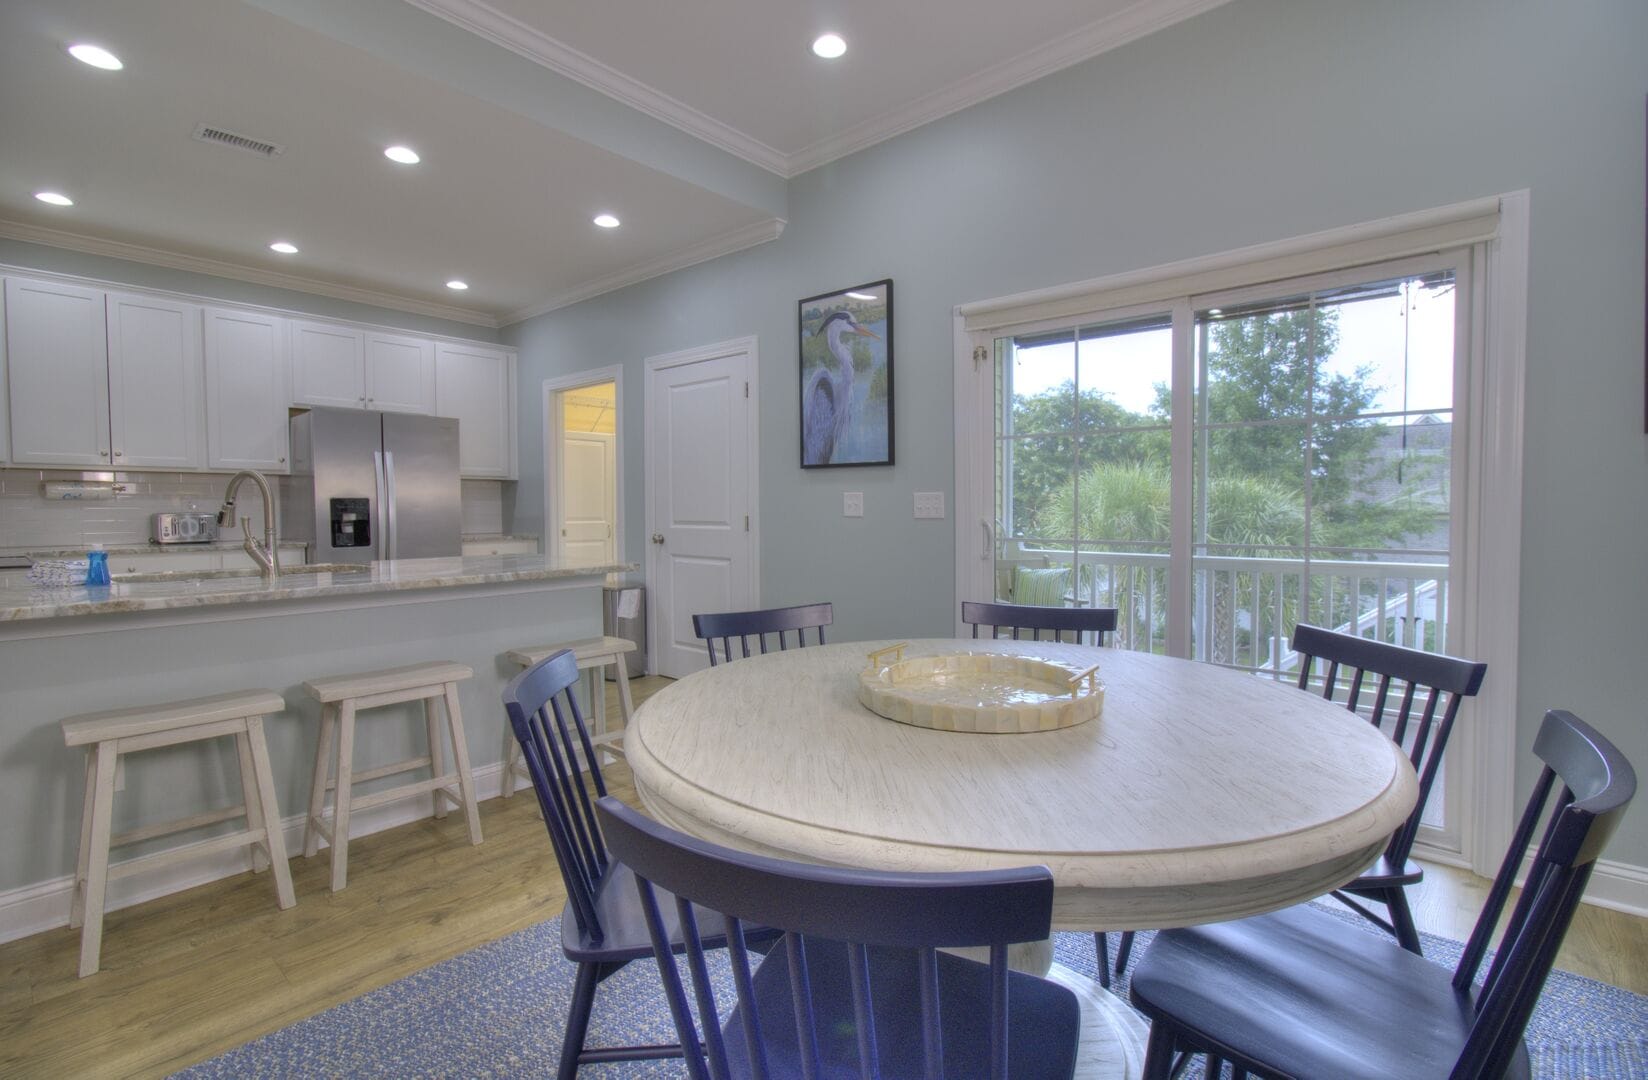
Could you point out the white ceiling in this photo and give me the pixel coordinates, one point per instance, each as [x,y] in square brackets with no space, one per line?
[517,156]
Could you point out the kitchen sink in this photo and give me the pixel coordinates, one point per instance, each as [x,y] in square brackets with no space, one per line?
[156,576]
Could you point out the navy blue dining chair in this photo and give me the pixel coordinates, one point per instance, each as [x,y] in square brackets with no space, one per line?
[1419,716]
[857,987]
[602,928]
[1308,993]
[1086,626]
[724,626]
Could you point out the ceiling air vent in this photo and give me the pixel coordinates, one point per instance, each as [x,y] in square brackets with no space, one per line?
[208,133]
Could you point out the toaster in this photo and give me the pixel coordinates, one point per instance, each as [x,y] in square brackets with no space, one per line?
[183,528]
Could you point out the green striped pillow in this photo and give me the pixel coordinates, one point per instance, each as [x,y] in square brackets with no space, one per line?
[1041,586]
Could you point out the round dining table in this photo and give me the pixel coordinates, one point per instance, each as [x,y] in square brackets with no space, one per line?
[1197,794]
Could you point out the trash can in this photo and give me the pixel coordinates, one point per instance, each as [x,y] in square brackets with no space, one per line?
[624,615]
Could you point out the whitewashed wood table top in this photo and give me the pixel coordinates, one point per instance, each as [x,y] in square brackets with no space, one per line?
[1199,793]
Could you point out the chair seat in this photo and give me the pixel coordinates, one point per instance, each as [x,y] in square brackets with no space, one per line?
[1339,1002]
[1043,1023]
[1383,875]
[618,910]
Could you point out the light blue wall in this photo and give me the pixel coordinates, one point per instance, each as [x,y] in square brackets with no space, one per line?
[1260,120]
[229,291]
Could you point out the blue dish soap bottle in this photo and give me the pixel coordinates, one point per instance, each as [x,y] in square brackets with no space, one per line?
[97,566]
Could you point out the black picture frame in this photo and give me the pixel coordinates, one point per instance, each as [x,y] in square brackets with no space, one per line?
[844,351]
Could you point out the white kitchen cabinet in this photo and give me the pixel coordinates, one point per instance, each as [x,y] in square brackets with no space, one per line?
[350,369]
[5,398]
[58,374]
[476,384]
[156,418]
[328,365]
[131,400]
[247,390]
[400,373]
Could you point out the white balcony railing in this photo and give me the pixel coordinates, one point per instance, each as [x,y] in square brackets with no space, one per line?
[1245,608]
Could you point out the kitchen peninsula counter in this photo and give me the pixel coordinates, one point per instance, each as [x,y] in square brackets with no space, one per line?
[21,600]
[169,637]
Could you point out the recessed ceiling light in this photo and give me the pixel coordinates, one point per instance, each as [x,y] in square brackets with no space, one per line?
[458,285]
[97,56]
[606,221]
[54,198]
[285,247]
[829,46]
[402,155]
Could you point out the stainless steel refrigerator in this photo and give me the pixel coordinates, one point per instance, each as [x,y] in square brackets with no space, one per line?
[369,485]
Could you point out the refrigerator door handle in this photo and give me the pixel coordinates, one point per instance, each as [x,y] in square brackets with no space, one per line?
[392,545]
[380,518]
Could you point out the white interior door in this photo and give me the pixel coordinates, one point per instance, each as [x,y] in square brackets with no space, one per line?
[589,464]
[700,495]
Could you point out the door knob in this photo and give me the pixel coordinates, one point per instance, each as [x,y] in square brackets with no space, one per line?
[658,538]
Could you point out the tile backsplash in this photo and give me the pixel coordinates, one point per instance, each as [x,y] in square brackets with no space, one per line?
[29,521]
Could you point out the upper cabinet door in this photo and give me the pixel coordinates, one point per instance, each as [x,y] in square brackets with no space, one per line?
[59,374]
[156,383]
[400,373]
[247,390]
[328,365]
[476,384]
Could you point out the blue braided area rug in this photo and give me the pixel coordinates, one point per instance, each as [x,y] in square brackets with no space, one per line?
[498,1011]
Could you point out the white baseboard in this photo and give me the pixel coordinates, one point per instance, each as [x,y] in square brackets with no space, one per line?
[45,905]
[1619,886]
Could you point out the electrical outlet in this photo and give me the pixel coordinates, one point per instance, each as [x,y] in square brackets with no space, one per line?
[852,504]
[929,504]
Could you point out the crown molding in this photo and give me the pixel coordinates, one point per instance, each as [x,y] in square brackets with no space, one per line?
[749,236]
[527,41]
[1129,24]
[1113,31]
[116,249]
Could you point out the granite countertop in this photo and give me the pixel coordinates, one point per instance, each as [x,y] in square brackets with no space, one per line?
[483,538]
[150,549]
[20,599]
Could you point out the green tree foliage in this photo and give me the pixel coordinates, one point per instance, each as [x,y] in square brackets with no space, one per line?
[1260,368]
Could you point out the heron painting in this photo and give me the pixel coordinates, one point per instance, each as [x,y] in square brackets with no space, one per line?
[846,341]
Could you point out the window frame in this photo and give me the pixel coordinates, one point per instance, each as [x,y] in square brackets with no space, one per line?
[1488,414]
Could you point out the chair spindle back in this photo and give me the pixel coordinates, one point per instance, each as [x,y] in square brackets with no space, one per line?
[727,625]
[1060,621]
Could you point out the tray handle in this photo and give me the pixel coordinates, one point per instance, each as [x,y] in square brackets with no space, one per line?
[896,650]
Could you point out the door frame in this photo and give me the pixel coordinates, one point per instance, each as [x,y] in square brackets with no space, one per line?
[553,511]
[749,346]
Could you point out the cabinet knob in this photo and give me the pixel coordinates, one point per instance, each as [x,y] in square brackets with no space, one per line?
[658,538]
[281,461]
[102,453]
[117,453]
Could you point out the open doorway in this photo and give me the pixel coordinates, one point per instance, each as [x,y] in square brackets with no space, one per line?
[583,450]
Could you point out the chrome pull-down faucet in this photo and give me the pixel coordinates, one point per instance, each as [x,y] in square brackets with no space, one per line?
[266,554]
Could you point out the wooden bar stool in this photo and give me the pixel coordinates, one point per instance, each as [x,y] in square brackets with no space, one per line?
[107,735]
[592,655]
[341,697]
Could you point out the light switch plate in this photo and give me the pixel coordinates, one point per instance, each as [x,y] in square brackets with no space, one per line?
[852,504]
[929,504]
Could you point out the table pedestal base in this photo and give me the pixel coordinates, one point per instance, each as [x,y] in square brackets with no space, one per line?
[1112,1035]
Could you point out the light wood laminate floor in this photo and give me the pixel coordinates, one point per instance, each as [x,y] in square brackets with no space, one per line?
[190,975]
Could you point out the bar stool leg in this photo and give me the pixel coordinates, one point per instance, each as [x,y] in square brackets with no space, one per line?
[340,800]
[460,756]
[97,867]
[317,788]
[262,783]
[598,700]
[77,906]
[249,801]
[625,705]
[437,757]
